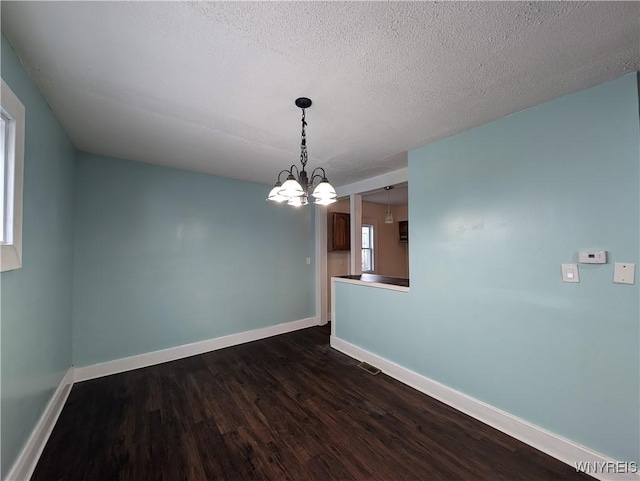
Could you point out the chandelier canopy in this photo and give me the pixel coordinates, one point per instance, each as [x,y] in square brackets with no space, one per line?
[298,186]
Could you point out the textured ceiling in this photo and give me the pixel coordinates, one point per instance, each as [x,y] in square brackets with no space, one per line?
[399,195]
[210,86]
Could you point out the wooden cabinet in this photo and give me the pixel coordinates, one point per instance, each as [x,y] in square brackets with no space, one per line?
[339,232]
[403,227]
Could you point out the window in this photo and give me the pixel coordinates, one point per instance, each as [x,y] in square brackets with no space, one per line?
[11,172]
[367,248]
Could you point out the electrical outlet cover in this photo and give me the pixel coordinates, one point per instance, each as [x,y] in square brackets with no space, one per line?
[570,273]
[624,273]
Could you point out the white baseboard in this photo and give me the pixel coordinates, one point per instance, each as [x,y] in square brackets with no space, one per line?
[27,460]
[186,350]
[556,446]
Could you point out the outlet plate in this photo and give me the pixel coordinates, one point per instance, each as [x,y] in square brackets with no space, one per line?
[570,273]
[624,273]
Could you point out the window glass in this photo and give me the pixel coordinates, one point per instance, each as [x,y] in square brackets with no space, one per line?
[4,144]
[12,115]
[7,143]
[367,248]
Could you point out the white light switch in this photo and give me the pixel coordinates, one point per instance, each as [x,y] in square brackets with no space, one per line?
[308,260]
[570,273]
[624,273]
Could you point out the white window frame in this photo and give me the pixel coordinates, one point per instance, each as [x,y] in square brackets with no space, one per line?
[11,252]
[374,240]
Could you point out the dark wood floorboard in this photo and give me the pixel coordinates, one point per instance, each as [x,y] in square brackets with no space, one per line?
[284,408]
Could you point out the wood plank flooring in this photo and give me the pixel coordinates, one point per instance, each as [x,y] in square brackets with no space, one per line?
[284,408]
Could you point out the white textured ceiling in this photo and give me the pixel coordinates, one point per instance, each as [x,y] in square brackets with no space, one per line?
[398,195]
[210,86]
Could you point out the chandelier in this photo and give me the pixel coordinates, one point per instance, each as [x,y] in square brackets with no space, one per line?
[297,186]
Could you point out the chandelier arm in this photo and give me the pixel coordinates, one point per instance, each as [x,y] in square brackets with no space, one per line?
[282,172]
[314,174]
[294,166]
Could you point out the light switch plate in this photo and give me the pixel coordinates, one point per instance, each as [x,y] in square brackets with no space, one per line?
[624,273]
[570,273]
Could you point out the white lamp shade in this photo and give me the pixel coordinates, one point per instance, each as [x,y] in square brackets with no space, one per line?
[324,190]
[324,201]
[388,218]
[291,188]
[274,195]
[295,201]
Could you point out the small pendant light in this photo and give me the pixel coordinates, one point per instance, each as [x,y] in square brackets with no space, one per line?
[388,218]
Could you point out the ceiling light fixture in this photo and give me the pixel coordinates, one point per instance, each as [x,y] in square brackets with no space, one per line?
[296,187]
[388,217]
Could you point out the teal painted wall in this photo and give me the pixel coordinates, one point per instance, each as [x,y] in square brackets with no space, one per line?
[493,213]
[35,321]
[165,257]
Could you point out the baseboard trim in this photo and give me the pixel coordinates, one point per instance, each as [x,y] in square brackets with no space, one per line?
[556,446]
[186,350]
[27,460]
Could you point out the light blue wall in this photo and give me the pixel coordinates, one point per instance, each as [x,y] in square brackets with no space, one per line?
[36,300]
[493,213]
[165,257]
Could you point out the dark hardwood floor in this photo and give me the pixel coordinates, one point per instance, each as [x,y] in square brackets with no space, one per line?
[284,408]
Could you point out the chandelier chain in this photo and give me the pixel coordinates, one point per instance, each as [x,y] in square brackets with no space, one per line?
[303,143]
